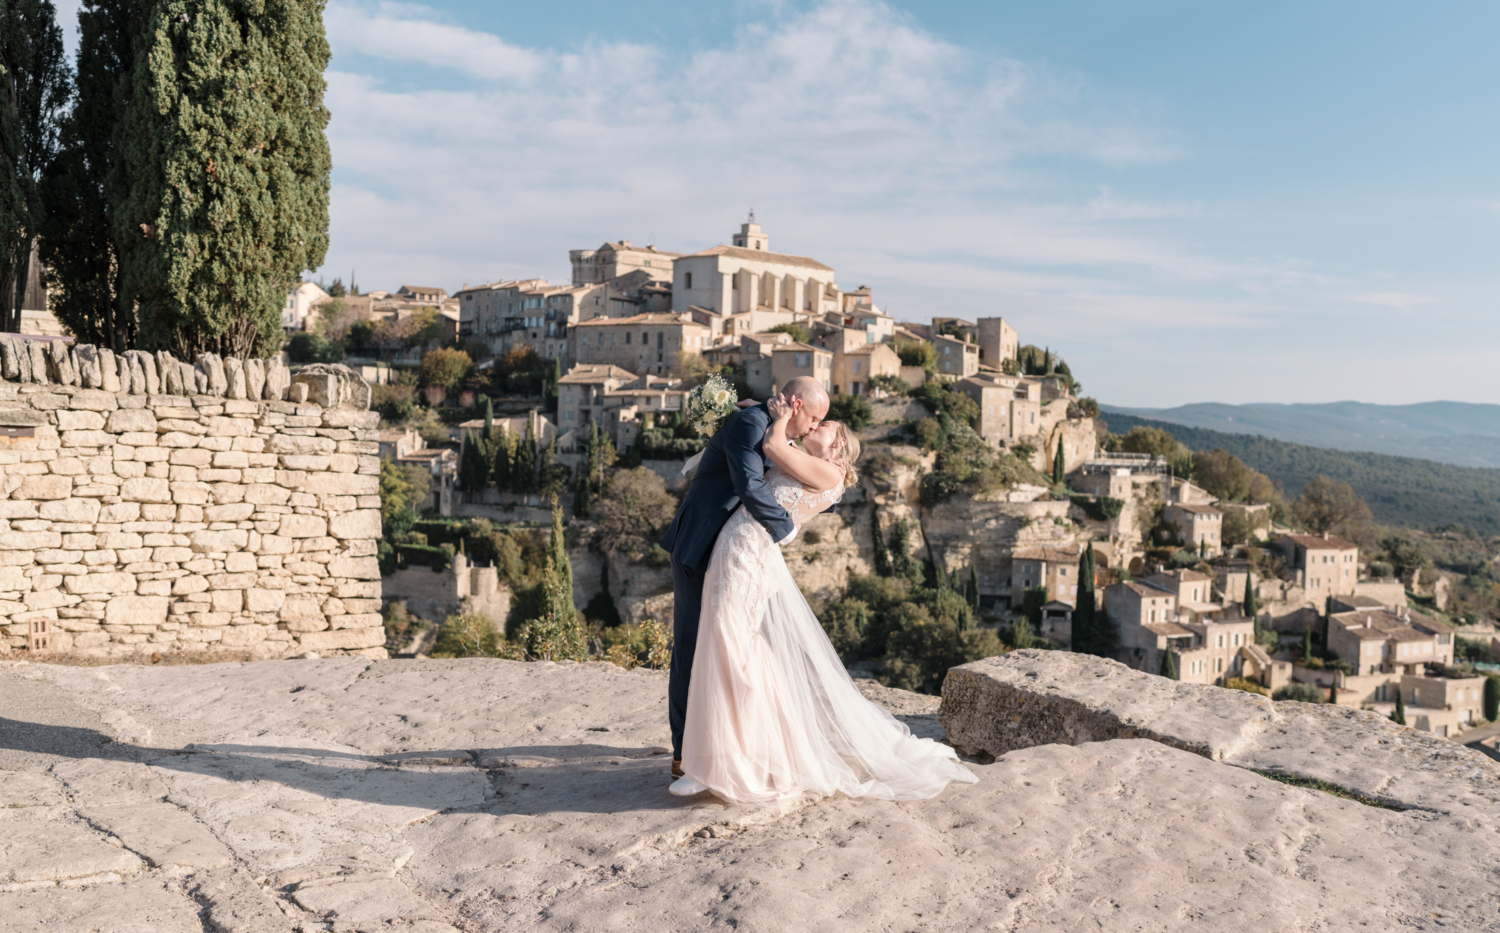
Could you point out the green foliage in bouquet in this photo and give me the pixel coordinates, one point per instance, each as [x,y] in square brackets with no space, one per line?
[709,404]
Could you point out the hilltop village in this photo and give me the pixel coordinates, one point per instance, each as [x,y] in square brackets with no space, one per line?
[996,510]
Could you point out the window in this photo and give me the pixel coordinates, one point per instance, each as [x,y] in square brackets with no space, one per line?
[645,337]
[687,280]
[1153,615]
[1219,641]
[802,360]
[857,370]
[568,415]
[1218,665]
[627,336]
[660,339]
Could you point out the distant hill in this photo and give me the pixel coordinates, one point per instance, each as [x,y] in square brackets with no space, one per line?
[1460,433]
[1400,490]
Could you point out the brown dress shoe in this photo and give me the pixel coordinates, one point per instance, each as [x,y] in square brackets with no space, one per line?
[676,767]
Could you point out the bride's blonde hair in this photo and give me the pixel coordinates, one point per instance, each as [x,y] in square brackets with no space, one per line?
[849,452]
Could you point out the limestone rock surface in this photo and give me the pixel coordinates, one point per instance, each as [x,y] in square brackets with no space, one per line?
[484,795]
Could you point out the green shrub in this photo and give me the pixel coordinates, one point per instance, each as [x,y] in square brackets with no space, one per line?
[852,410]
[1249,686]
[891,385]
[1100,508]
[468,636]
[1302,693]
[658,444]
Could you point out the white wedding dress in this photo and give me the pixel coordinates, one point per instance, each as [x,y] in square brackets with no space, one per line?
[772,713]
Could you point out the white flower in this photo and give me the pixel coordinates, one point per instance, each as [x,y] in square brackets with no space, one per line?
[721,397]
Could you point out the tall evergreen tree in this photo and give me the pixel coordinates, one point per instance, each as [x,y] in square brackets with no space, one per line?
[1491,697]
[86,183]
[1169,664]
[489,419]
[35,85]
[1059,467]
[473,466]
[1092,633]
[582,495]
[882,556]
[228,168]
[974,587]
[1252,609]
[504,455]
[523,467]
[1398,715]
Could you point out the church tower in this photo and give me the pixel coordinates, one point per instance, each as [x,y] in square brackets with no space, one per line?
[750,236]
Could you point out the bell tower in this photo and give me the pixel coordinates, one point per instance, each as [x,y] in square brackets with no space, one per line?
[750,236]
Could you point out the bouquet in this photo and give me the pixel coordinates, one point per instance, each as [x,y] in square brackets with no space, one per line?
[708,405]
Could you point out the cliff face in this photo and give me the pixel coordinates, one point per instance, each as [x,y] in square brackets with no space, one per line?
[489,795]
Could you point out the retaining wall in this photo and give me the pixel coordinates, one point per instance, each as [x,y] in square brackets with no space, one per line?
[151,505]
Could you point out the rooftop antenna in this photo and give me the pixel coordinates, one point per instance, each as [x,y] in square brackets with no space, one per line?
[752,215]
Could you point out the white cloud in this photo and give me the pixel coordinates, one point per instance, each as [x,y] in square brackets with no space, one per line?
[1398,300]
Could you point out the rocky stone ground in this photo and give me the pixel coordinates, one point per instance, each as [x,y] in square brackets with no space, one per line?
[477,795]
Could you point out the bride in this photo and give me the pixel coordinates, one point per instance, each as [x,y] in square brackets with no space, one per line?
[771,711]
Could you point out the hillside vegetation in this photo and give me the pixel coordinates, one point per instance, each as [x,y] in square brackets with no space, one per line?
[1401,491]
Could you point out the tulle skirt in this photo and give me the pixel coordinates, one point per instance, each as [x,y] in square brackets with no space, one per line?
[772,713]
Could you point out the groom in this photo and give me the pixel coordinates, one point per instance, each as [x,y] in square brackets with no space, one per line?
[732,473]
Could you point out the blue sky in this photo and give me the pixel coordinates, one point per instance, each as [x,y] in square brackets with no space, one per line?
[1278,201]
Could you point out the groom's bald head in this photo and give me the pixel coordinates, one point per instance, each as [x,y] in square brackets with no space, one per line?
[809,404]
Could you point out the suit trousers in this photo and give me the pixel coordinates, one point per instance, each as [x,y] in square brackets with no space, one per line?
[687,607]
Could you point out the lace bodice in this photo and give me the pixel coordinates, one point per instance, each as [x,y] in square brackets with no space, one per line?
[794,497]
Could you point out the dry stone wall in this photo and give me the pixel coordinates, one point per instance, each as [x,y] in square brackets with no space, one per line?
[153,505]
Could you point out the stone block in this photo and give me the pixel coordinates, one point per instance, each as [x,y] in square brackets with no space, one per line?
[213,368]
[355,568]
[234,373]
[109,372]
[242,636]
[146,489]
[343,639]
[259,600]
[137,610]
[341,484]
[60,364]
[46,486]
[303,526]
[131,419]
[231,601]
[120,512]
[322,388]
[93,400]
[278,379]
[364,523]
[255,379]
[71,510]
[80,421]
[87,438]
[186,586]
[16,508]
[53,851]
[300,608]
[22,418]
[215,542]
[297,444]
[29,540]
[113,582]
[170,370]
[297,393]
[234,512]
[10,366]
[38,363]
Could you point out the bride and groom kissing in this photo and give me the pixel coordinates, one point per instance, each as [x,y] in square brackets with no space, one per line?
[761,707]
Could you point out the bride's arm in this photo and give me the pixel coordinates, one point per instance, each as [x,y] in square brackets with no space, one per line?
[802,466]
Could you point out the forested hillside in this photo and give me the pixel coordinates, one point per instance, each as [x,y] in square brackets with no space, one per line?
[1400,490]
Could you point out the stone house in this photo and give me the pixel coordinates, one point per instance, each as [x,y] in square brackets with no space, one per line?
[788,361]
[1194,593]
[1121,475]
[1324,565]
[396,444]
[747,276]
[1010,407]
[614,260]
[299,302]
[584,393]
[644,343]
[998,342]
[1200,528]
[1055,568]
[1210,648]
[855,369]
[956,358]
[1376,641]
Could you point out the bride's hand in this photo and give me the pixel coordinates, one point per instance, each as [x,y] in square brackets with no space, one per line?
[779,407]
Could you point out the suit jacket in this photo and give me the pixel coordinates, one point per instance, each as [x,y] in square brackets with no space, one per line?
[731,473]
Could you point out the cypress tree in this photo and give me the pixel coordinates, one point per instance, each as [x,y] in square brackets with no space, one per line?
[1252,609]
[582,498]
[1492,698]
[523,470]
[489,419]
[473,467]
[1398,715]
[1059,467]
[504,453]
[1169,664]
[974,587]
[882,556]
[228,169]
[35,84]
[87,183]
[1091,633]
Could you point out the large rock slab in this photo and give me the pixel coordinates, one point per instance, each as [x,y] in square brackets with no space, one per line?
[488,795]
[1029,698]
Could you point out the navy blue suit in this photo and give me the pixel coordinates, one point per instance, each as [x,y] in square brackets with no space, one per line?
[732,473]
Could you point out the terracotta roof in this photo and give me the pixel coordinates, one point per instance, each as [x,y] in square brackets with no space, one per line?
[1054,554]
[794,345]
[1141,589]
[1359,602]
[1427,623]
[589,373]
[760,255]
[1320,542]
[654,319]
[868,348]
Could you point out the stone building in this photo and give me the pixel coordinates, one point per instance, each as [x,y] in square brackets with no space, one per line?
[1209,647]
[1200,528]
[1055,568]
[747,276]
[1010,407]
[956,358]
[645,343]
[299,302]
[790,360]
[584,393]
[853,371]
[998,342]
[613,260]
[1324,565]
